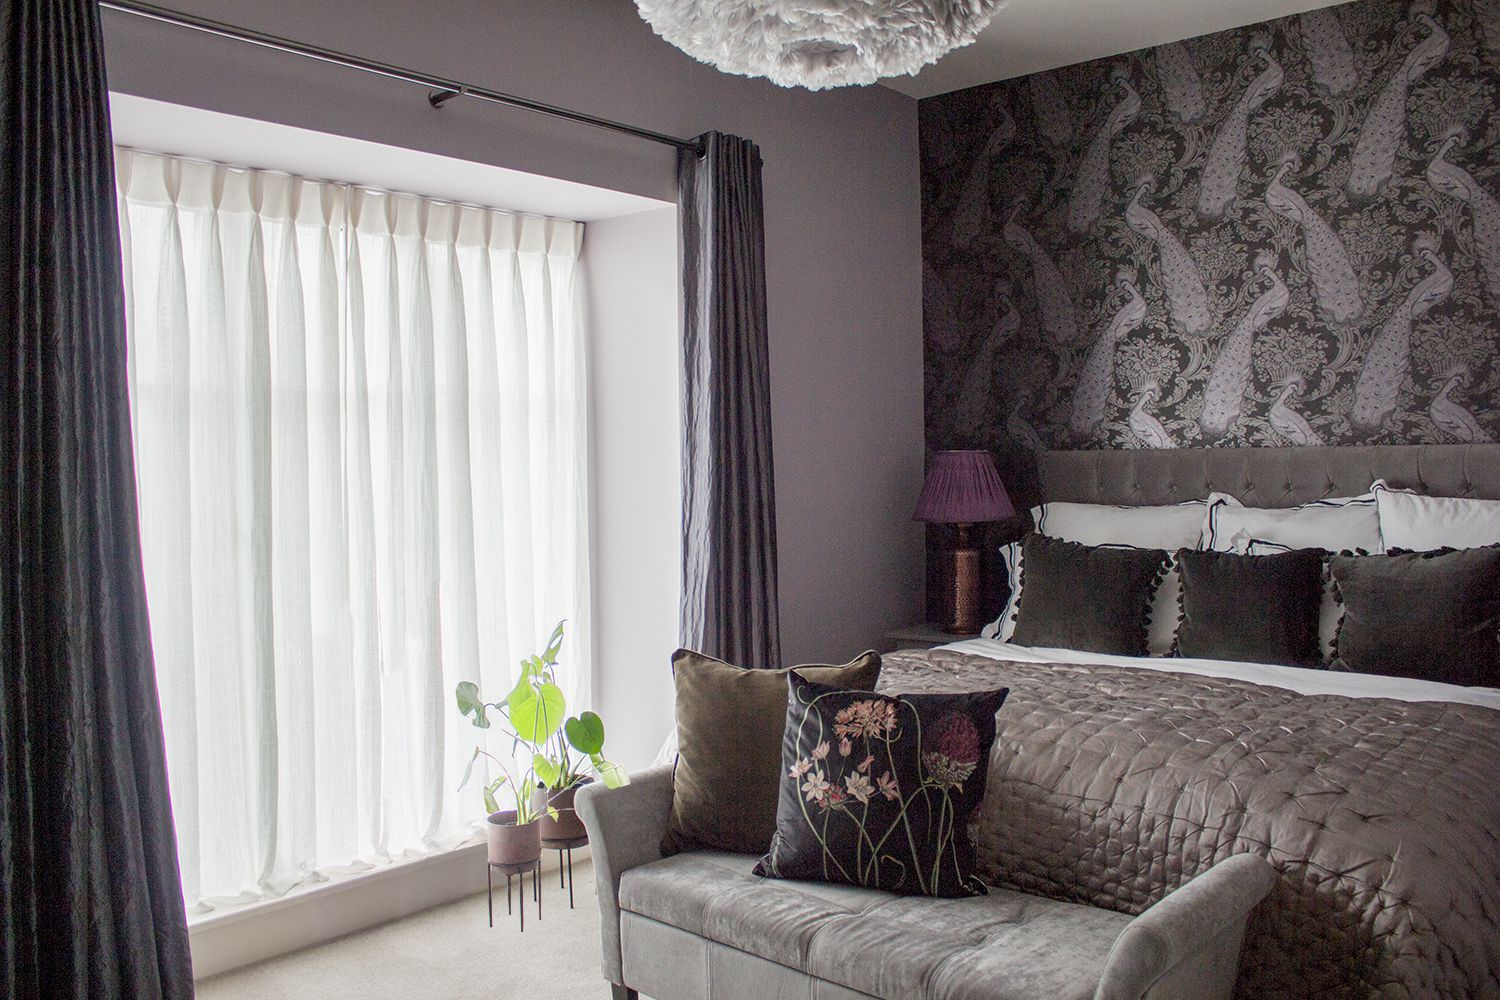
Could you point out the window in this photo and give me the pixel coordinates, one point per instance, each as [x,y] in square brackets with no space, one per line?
[359,424]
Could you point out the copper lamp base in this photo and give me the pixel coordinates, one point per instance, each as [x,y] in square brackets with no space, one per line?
[965,610]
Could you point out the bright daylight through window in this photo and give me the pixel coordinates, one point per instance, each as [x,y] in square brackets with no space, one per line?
[359,423]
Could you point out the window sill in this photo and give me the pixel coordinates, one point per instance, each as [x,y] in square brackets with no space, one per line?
[227,912]
[237,936]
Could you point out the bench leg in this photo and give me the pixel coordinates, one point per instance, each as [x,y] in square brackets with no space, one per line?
[623,993]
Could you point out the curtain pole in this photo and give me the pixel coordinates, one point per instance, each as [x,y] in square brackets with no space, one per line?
[442,90]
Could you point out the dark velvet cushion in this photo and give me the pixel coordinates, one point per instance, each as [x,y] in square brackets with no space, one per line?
[880,791]
[729,726]
[1090,597]
[1257,609]
[1430,615]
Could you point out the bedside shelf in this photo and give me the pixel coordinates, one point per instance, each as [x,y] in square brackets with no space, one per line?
[924,636]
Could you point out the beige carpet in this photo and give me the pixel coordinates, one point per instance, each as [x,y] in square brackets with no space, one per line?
[445,953]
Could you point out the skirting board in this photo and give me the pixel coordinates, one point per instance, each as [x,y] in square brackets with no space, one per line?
[260,931]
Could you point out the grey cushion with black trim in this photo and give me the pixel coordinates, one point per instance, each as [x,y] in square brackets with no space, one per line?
[1167,526]
[1094,598]
[1429,615]
[1251,608]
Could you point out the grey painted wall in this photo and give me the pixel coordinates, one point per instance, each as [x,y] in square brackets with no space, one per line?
[1285,234]
[842,228]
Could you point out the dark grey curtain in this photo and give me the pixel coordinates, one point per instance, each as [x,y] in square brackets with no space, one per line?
[90,904]
[729,494]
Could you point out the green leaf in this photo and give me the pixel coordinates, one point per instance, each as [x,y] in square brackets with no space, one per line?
[537,712]
[490,801]
[548,772]
[586,733]
[516,702]
[523,684]
[554,644]
[471,704]
[469,767]
[612,774]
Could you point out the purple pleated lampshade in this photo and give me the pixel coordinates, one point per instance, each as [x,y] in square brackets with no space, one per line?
[963,487]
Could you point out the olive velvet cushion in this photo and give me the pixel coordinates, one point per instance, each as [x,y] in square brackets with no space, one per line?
[880,791]
[1428,615]
[1254,609]
[729,726]
[1090,597]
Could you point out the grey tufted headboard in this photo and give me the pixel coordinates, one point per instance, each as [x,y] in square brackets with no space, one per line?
[1267,477]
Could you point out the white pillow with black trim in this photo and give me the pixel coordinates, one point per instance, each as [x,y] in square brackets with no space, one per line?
[1004,627]
[1169,527]
[1338,524]
[1422,524]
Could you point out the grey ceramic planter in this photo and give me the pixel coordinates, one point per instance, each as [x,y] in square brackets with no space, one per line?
[567,825]
[510,844]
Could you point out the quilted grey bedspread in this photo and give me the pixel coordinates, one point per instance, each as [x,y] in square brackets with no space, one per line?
[1112,786]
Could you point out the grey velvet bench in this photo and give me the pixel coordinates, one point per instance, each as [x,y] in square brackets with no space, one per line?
[697,926]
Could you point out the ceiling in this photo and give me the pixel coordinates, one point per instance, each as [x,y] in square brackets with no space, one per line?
[1027,36]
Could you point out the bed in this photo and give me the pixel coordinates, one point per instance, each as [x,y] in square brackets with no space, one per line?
[1116,779]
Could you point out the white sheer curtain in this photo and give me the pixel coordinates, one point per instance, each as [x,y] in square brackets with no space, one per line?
[359,426]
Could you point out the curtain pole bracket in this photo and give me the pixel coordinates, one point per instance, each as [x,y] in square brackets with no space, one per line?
[438,98]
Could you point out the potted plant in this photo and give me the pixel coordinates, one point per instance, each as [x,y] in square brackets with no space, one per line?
[514,835]
[563,750]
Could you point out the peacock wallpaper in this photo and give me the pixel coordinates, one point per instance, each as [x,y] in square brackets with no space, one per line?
[1286,234]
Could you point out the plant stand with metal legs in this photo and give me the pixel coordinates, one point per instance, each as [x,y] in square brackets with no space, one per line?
[565,845]
[535,868]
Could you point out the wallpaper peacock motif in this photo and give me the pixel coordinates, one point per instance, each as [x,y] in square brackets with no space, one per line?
[1287,234]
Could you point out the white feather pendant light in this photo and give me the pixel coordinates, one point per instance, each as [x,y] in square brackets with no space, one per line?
[818,43]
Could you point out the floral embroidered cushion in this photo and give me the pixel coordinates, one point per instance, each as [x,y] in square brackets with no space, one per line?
[880,791]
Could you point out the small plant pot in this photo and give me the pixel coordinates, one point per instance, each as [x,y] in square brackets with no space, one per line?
[512,844]
[567,825]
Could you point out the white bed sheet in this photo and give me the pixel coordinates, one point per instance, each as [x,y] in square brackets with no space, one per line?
[1299,679]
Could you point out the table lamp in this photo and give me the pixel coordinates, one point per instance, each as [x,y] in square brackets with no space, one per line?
[963,488]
